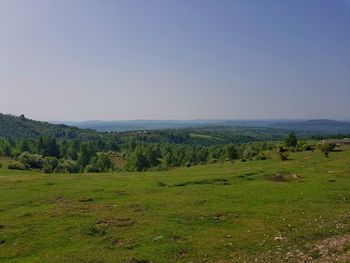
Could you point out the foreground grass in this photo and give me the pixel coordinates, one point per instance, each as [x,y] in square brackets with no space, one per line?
[227,212]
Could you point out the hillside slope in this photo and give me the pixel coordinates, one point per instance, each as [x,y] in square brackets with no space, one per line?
[256,211]
[14,127]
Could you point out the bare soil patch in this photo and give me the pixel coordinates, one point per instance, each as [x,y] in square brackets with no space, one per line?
[115,221]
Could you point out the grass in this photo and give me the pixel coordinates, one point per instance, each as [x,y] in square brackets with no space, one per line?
[204,136]
[4,162]
[230,212]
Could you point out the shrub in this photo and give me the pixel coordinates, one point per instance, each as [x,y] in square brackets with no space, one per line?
[307,147]
[48,168]
[91,168]
[213,160]
[283,156]
[16,165]
[34,161]
[291,140]
[104,162]
[260,157]
[326,148]
[67,166]
[49,164]
[281,149]
[249,153]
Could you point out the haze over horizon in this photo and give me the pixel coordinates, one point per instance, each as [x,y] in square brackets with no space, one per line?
[182,60]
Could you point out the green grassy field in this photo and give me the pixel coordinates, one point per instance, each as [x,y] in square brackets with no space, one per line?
[231,212]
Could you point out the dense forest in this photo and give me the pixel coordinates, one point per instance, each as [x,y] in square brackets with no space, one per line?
[60,148]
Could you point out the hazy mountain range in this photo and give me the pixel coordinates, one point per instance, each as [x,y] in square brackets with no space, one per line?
[317,125]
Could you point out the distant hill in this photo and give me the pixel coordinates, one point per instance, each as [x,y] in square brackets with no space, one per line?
[137,125]
[202,132]
[14,127]
[174,132]
[317,126]
[323,126]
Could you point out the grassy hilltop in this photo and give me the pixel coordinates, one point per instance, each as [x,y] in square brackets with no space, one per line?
[263,211]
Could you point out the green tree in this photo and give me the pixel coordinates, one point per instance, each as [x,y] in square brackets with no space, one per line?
[104,162]
[326,148]
[231,152]
[72,151]
[291,140]
[6,148]
[23,146]
[50,147]
[138,160]
[84,156]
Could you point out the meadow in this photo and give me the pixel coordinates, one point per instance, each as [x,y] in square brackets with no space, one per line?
[256,211]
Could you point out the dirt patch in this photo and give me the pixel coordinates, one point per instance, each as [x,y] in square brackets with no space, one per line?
[121,192]
[136,260]
[127,243]
[334,249]
[284,177]
[57,199]
[115,221]
[220,216]
[86,199]
[136,208]
[178,239]
[246,175]
[118,242]
[218,181]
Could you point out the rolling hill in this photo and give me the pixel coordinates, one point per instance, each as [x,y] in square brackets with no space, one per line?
[14,127]
[318,126]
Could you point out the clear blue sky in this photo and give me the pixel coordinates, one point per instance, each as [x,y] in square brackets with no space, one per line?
[175,59]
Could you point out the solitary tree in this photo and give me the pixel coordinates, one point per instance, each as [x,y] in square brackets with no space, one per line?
[231,152]
[291,140]
[326,148]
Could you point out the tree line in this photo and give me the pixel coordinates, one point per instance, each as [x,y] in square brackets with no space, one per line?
[49,154]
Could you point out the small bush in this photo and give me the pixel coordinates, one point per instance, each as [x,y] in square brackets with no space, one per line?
[281,149]
[49,164]
[260,157]
[283,156]
[307,147]
[213,160]
[16,165]
[34,161]
[92,169]
[95,232]
[67,166]
[326,148]
[48,169]
[249,153]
